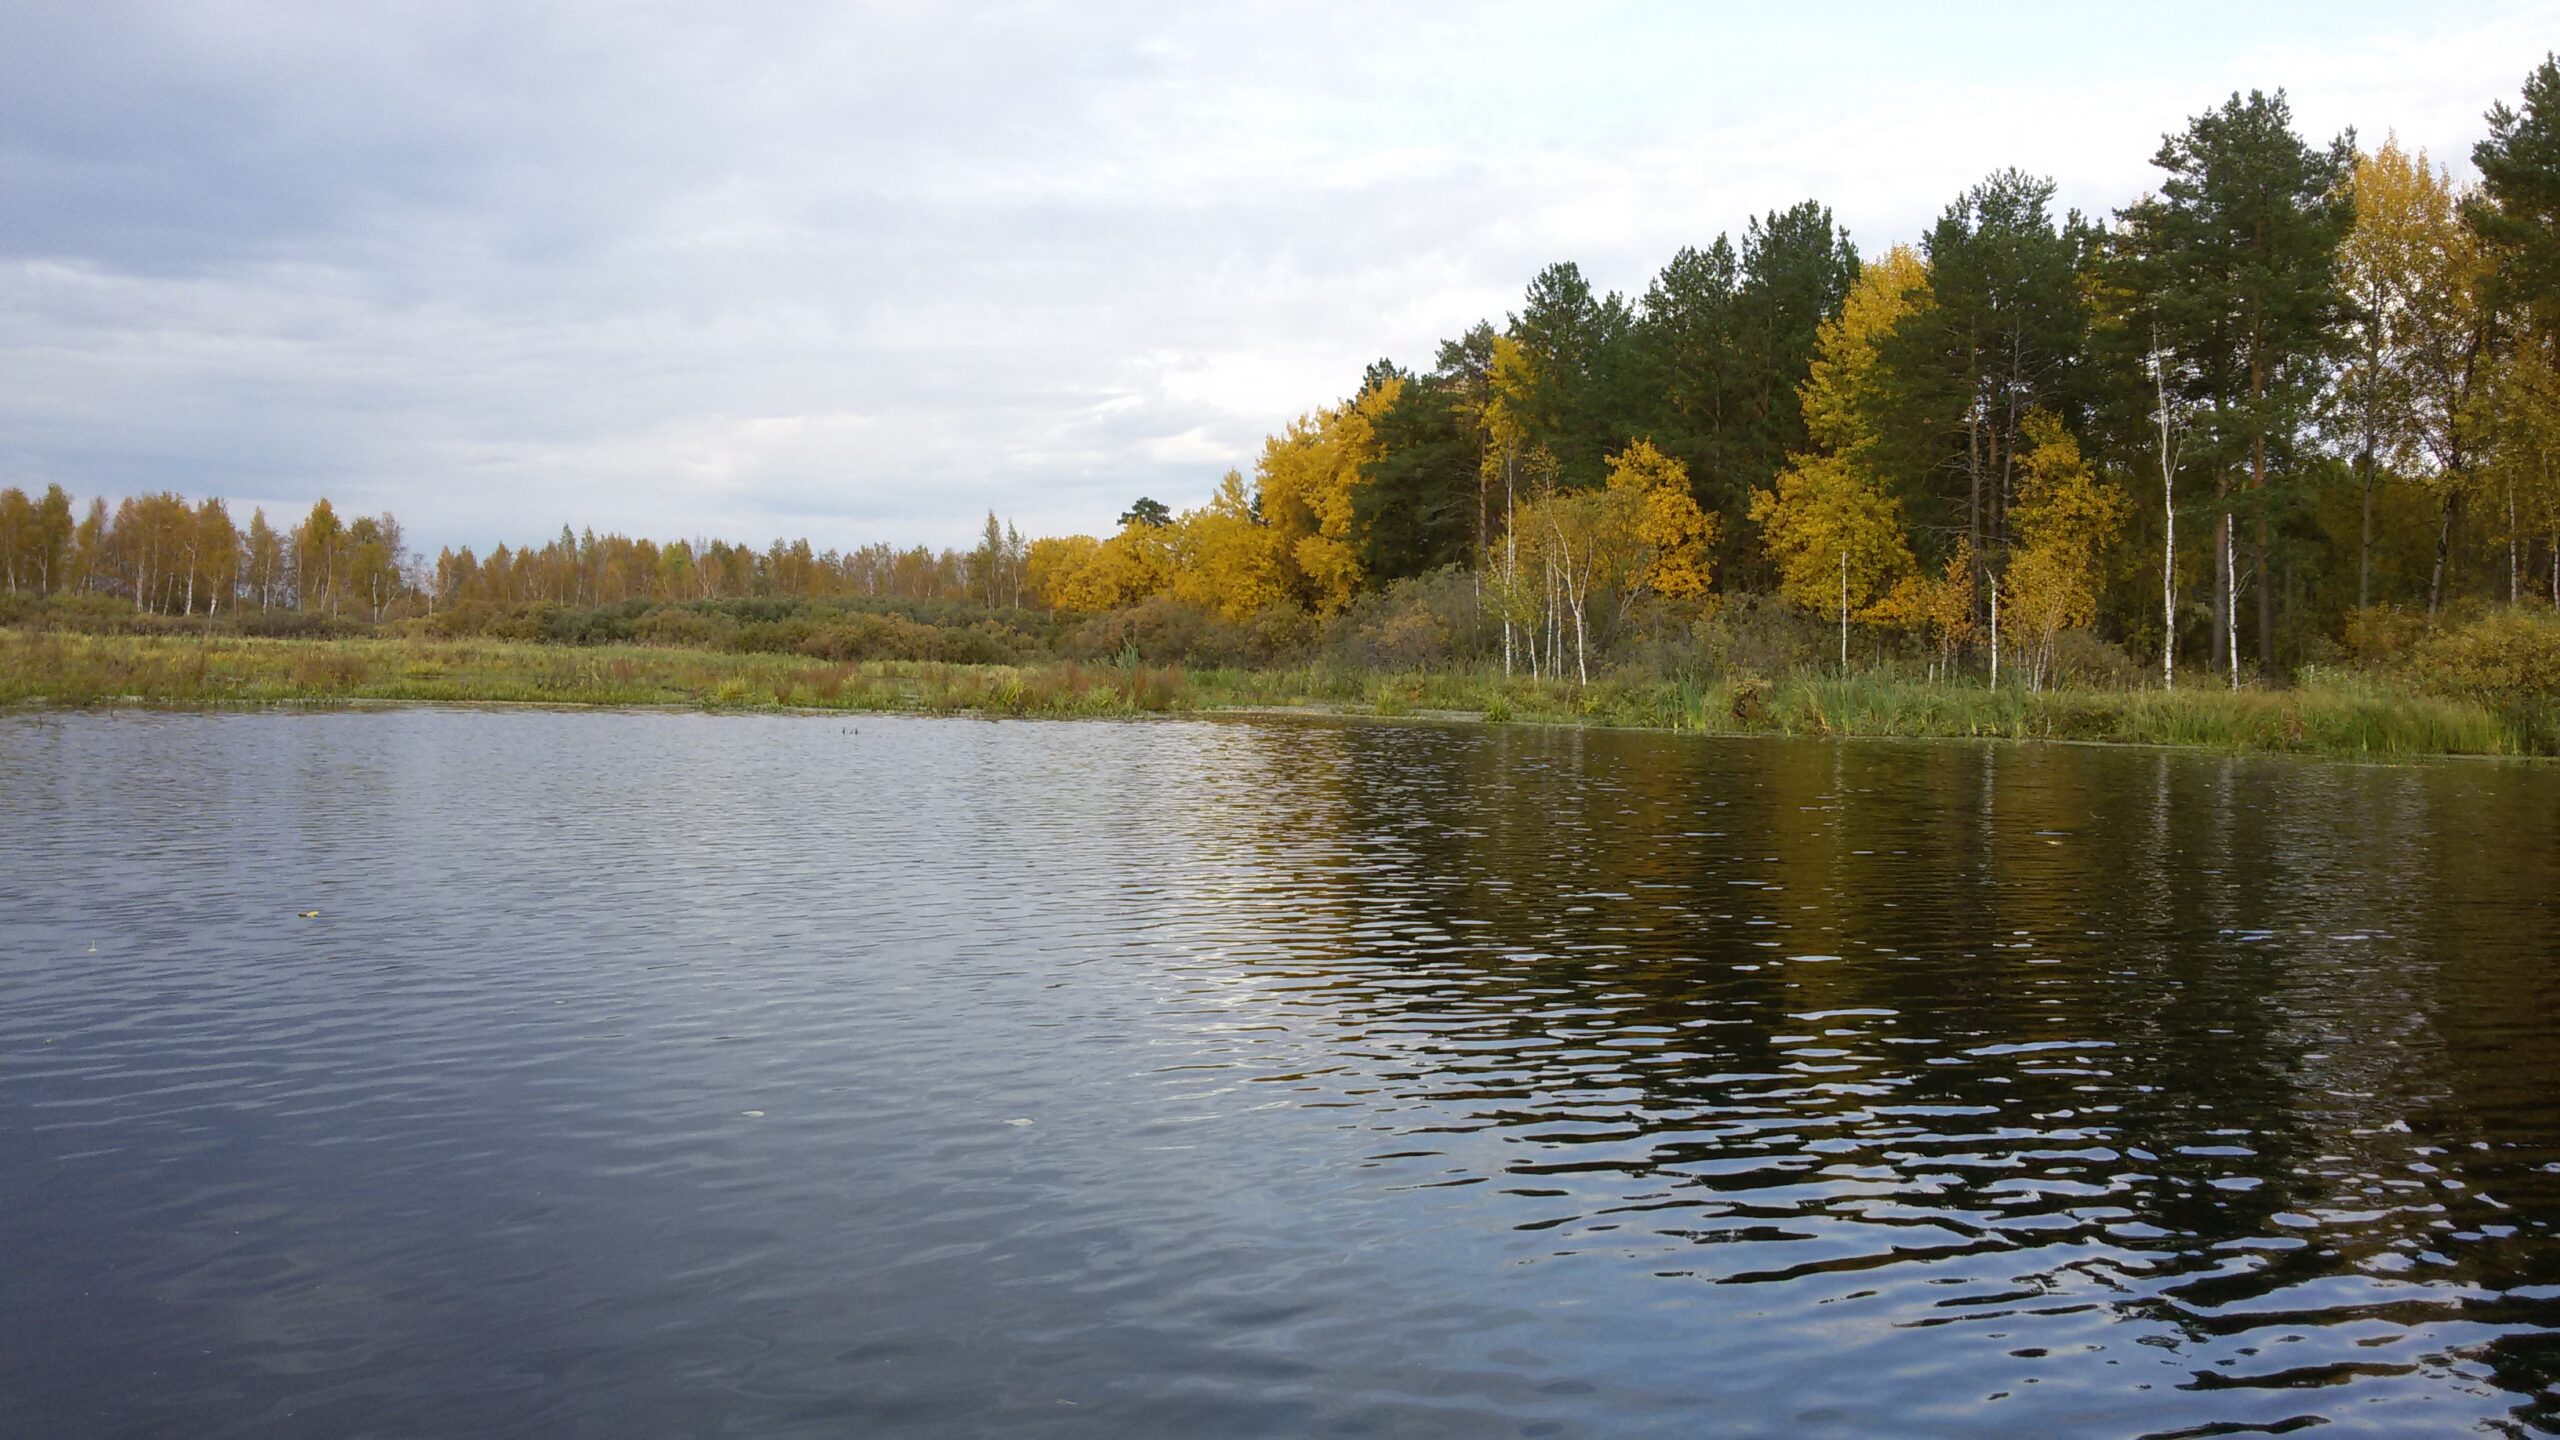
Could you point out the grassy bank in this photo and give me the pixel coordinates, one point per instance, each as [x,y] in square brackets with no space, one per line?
[2334,716]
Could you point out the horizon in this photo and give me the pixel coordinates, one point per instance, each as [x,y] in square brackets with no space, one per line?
[497,277]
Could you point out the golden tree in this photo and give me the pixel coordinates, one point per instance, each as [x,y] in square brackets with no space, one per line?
[1832,533]
[1305,480]
[1839,392]
[1224,559]
[2064,519]
[1665,520]
[1080,573]
[2418,276]
[1941,609]
[1829,525]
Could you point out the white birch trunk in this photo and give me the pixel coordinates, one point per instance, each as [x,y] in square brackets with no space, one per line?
[2231,612]
[2169,527]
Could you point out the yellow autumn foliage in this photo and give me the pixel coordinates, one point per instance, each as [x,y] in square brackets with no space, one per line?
[1051,561]
[2064,517]
[1664,519]
[1305,480]
[1940,608]
[1848,348]
[1225,560]
[1830,505]
[1824,511]
[1082,574]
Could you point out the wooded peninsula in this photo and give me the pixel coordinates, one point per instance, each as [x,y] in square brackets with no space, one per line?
[2269,457]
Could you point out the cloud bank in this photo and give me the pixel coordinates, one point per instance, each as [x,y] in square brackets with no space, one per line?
[864,273]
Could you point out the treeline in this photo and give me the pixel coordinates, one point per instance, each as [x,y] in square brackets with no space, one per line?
[590,570]
[172,556]
[2298,397]
[2296,385]
[167,555]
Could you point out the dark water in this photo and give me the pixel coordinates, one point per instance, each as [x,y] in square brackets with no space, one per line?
[683,1075]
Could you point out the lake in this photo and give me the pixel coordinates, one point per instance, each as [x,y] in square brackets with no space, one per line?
[682,1074]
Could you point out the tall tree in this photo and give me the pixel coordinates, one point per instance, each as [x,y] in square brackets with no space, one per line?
[2234,266]
[263,556]
[2517,213]
[1687,351]
[53,534]
[1304,487]
[1797,266]
[1224,558]
[1465,368]
[1857,404]
[17,539]
[1417,506]
[1146,511]
[2001,337]
[319,559]
[1575,342]
[213,556]
[2418,333]
[2065,519]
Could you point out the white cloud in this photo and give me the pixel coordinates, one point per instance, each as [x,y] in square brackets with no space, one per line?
[863,274]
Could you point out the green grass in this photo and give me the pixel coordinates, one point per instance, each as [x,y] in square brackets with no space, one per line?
[2332,716]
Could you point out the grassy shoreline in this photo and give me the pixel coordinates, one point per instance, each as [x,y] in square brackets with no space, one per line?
[2339,716]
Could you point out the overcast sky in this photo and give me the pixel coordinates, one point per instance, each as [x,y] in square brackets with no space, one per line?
[859,272]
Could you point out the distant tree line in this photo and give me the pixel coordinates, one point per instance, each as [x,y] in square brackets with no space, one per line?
[172,556]
[167,555]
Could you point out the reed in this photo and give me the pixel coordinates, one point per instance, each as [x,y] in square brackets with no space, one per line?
[2329,715]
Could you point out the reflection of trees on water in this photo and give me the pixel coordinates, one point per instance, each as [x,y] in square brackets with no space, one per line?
[2222,1035]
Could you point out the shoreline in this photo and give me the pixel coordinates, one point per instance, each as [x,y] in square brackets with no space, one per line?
[1341,713]
[2342,718]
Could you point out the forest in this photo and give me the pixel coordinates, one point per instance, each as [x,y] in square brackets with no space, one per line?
[2294,410]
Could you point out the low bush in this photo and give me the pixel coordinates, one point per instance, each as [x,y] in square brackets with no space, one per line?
[1763,635]
[858,637]
[2082,658]
[2509,657]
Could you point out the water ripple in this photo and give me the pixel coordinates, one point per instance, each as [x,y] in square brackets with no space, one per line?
[668,1074]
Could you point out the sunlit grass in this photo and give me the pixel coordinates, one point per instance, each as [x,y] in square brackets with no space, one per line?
[2334,715]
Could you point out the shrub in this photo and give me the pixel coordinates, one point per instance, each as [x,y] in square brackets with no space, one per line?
[1279,633]
[94,614]
[2081,658]
[985,643]
[296,624]
[1162,631]
[852,638]
[1751,699]
[773,637]
[2381,635]
[1763,635]
[684,627]
[1420,622]
[611,625]
[2510,657]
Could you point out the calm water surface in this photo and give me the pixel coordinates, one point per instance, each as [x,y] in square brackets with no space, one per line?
[692,1075]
